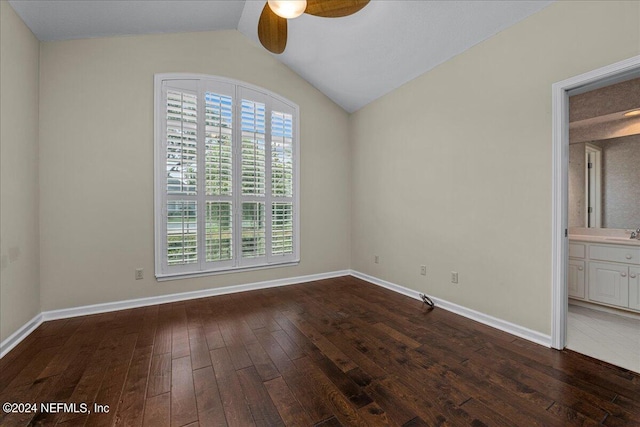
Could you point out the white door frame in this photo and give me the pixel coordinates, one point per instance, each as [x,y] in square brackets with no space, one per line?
[560,192]
[593,185]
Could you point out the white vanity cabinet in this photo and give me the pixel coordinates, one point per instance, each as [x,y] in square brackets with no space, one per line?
[576,274]
[605,274]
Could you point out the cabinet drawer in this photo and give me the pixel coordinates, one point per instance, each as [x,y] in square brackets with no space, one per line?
[576,250]
[630,255]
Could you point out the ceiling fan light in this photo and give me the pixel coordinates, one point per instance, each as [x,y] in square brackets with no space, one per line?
[288,8]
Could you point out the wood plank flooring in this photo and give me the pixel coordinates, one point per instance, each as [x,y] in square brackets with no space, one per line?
[327,353]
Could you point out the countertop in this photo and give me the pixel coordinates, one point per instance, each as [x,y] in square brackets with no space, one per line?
[604,239]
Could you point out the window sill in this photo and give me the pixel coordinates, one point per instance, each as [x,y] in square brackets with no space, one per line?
[177,276]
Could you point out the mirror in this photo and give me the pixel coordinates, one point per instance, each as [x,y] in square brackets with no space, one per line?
[604,183]
[604,156]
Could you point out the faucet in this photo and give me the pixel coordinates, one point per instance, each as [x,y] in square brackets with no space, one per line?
[635,234]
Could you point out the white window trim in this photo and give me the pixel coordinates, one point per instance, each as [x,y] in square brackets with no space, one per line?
[160,180]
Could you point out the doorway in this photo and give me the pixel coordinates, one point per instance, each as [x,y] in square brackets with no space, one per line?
[618,72]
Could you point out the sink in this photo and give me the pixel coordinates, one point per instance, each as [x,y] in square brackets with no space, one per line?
[623,240]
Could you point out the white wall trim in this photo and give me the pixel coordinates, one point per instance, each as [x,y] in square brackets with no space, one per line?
[494,322]
[15,338]
[560,191]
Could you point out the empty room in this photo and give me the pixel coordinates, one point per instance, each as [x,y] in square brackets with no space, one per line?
[319,213]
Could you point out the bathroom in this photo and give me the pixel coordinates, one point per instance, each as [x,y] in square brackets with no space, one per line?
[604,224]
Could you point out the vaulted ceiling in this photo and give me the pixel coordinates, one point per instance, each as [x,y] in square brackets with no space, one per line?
[353,60]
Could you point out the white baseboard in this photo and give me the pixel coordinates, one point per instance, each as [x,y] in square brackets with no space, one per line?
[494,322]
[65,313]
[14,339]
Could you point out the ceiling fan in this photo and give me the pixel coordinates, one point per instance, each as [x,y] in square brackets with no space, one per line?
[272,26]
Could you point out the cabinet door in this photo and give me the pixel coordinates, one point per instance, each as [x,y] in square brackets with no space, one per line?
[609,283]
[634,288]
[575,280]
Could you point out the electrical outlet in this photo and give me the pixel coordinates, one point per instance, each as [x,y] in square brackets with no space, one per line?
[454,277]
[376,259]
[423,270]
[139,274]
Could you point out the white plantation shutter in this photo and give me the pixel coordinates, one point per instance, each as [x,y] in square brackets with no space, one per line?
[218,144]
[219,227]
[218,123]
[226,176]
[253,230]
[182,133]
[253,159]
[282,186]
[180,140]
[182,228]
[282,229]
[253,148]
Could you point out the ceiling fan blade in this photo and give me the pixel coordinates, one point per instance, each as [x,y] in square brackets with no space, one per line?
[272,30]
[334,8]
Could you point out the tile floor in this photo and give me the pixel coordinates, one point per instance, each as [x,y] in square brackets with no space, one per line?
[605,336]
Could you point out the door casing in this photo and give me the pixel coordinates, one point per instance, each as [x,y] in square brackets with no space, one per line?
[591,80]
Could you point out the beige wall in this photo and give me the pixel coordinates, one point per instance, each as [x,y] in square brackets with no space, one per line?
[453,170]
[19,241]
[96,177]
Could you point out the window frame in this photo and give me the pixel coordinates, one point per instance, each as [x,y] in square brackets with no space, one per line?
[202,267]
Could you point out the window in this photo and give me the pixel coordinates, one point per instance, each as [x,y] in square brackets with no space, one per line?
[226,176]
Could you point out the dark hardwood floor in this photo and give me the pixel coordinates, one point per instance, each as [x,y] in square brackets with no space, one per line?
[328,353]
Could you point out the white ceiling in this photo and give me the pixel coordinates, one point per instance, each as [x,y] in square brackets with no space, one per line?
[353,60]
[79,19]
